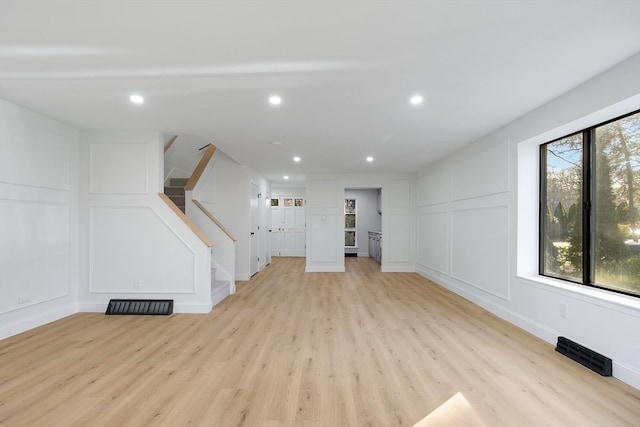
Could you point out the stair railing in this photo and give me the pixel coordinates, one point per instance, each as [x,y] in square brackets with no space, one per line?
[170,143]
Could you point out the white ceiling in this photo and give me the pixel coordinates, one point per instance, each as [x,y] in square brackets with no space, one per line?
[344,69]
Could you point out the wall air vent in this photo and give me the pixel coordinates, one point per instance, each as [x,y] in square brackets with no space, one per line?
[140,306]
[585,356]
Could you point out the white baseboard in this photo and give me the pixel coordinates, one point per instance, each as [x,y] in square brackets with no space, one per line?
[192,308]
[14,328]
[92,307]
[626,374]
[177,308]
[217,295]
[386,268]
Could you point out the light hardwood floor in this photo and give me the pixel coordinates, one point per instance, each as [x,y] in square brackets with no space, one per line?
[362,348]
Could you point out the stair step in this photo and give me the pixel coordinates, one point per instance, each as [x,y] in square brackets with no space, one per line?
[219,291]
[217,284]
[169,190]
[177,199]
[178,182]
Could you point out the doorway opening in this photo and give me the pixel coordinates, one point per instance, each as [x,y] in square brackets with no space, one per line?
[363,223]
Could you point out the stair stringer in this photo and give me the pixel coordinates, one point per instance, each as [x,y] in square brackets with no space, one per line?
[223,252]
[200,206]
[219,274]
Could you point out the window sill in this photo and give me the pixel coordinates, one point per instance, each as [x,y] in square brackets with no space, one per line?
[590,293]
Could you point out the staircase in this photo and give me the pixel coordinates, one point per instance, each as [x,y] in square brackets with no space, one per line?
[222,282]
[219,288]
[175,191]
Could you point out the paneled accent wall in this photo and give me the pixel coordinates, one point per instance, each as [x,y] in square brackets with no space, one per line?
[399,191]
[323,234]
[433,235]
[477,220]
[324,193]
[397,239]
[113,270]
[118,169]
[325,214]
[325,225]
[481,171]
[398,234]
[133,244]
[463,218]
[479,246]
[38,219]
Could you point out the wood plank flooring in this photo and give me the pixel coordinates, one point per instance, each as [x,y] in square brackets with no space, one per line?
[360,348]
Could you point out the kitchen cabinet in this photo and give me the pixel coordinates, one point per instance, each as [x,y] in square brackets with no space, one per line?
[375,245]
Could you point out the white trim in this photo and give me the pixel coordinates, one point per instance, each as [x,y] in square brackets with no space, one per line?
[23,325]
[391,268]
[220,293]
[177,307]
[607,299]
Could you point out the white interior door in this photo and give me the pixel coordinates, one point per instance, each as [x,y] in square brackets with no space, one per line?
[276,226]
[293,225]
[255,237]
[265,212]
[288,227]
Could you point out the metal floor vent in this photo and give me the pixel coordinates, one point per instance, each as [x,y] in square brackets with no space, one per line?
[140,306]
[585,356]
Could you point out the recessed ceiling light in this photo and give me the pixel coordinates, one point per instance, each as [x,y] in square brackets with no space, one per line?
[296,158]
[275,100]
[416,100]
[136,99]
[286,177]
[369,159]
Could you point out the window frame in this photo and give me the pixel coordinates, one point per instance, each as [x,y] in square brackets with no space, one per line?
[588,195]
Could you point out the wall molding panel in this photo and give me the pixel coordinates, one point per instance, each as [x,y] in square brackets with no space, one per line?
[38,219]
[123,258]
[34,252]
[118,169]
[433,229]
[479,248]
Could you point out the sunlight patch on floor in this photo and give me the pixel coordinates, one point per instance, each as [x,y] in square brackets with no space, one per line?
[455,412]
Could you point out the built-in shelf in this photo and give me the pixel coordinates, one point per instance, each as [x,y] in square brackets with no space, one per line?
[350,234]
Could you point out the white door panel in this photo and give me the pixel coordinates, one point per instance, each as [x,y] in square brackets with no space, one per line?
[255,221]
[288,227]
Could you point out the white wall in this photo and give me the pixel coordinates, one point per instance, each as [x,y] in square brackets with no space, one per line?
[223,252]
[264,215]
[325,220]
[477,226]
[182,157]
[132,244]
[38,219]
[227,195]
[367,217]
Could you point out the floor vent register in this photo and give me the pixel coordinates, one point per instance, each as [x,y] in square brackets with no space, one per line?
[585,356]
[140,306]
